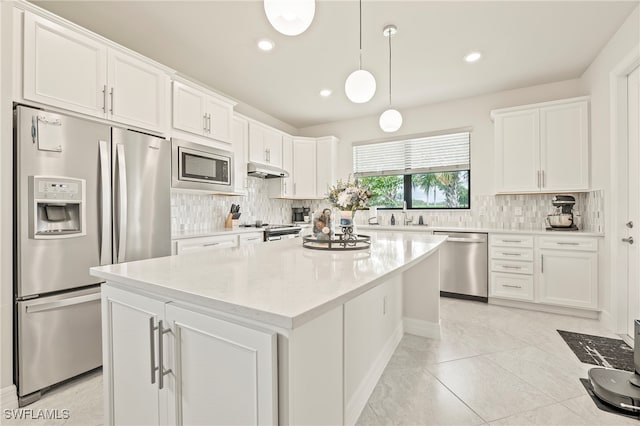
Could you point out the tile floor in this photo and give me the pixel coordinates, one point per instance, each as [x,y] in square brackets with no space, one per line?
[493,365]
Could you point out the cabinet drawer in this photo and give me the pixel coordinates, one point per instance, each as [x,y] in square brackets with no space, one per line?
[568,243]
[512,267]
[512,286]
[252,238]
[511,240]
[512,253]
[193,245]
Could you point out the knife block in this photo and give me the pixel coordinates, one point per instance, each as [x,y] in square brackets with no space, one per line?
[228,223]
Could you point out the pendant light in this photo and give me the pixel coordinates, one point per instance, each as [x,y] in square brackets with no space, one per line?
[361,84]
[290,17]
[391,119]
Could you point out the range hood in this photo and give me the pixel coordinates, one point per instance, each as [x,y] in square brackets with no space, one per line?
[265,172]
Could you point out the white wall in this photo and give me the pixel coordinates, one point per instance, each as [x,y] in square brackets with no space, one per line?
[596,82]
[6,142]
[469,112]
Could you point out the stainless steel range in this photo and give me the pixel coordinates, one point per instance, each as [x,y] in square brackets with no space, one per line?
[281,232]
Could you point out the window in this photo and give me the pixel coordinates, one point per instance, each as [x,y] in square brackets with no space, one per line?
[431,172]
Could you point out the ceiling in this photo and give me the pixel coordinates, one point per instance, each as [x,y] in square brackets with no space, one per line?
[523,43]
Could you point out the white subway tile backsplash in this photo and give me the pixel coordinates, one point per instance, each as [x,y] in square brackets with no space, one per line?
[200,212]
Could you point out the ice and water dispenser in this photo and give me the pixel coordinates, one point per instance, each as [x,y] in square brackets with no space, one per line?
[58,207]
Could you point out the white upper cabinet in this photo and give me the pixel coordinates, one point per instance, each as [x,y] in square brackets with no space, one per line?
[138,92]
[326,159]
[542,147]
[265,145]
[71,70]
[239,143]
[64,68]
[201,113]
[304,168]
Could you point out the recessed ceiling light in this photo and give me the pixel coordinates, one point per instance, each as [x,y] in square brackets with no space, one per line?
[265,45]
[473,57]
[325,93]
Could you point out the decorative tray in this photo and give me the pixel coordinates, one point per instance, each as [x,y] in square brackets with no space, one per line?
[338,242]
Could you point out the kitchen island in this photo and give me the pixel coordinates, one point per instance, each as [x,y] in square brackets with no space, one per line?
[262,334]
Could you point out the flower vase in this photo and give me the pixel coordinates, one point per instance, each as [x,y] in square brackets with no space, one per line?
[347,223]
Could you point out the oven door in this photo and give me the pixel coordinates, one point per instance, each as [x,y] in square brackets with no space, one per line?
[278,237]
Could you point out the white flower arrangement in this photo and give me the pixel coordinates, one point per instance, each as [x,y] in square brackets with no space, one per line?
[348,195]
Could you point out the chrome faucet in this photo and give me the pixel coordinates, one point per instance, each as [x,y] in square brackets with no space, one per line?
[406,220]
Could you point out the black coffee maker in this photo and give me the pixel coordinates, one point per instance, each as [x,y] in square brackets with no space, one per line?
[300,214]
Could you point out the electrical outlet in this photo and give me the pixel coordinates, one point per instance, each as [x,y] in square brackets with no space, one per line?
[517,211]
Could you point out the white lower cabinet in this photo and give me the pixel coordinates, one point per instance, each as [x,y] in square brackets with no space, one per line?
[192,245]
[558,270]
[251,238]
[168,363]
[569,278]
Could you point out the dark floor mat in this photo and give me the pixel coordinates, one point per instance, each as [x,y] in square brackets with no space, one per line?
[602,351]
[603,405]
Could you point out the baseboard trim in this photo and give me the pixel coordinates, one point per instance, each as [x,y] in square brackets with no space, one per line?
[9,397]
[561,310]
[359,400]
[607,321]
[430,330]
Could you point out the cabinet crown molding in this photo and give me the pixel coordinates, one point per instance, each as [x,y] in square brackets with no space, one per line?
[499,111]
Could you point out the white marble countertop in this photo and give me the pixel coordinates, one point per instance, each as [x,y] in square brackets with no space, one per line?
[281,283]
[180,235]
[426,228]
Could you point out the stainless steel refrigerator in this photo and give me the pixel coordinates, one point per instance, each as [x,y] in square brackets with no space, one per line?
[85,194]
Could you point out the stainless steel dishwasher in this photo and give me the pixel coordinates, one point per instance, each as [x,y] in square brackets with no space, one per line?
[463,265]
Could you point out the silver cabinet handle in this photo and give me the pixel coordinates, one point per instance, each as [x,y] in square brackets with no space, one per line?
[204,122]
[512,254]
[542,263]
[511,267]
[105,202]
[161,371]
[47,306]
[628,240]
[104,98]
[543,185]
[511,241]
[210,244]
[538,178]
[629,224]
[463,240]
[152,350]
[209,123]
[563,243]
[266,155]
[511,286]
[253,239]
[112,97]
[122,192]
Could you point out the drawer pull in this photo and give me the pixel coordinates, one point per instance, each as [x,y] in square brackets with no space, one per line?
[567,244]
[512,254]
[511,241]
[511,286]
[210,244]
[511,267]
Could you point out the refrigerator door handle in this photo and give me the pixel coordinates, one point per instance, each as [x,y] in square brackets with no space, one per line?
[105,202]
[47,306]
[122,203]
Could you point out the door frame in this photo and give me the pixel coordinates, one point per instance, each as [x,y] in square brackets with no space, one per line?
[617,316]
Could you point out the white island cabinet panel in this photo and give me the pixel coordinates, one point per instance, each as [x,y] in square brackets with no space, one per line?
[130,353]
[241,386]
[64,68]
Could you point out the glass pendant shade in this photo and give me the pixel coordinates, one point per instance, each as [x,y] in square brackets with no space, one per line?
[290,17]
[390,120]
[360,86]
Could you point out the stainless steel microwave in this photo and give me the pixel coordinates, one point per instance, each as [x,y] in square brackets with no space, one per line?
[200,167]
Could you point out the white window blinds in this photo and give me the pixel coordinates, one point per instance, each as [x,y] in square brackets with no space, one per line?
[441,153]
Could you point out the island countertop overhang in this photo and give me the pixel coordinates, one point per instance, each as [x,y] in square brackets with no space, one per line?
[280,284]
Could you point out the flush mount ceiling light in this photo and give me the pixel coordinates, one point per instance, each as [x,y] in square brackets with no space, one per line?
[325,93]
[265,45]
[391,119]
[290,17]
[361,84]
[473,57]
